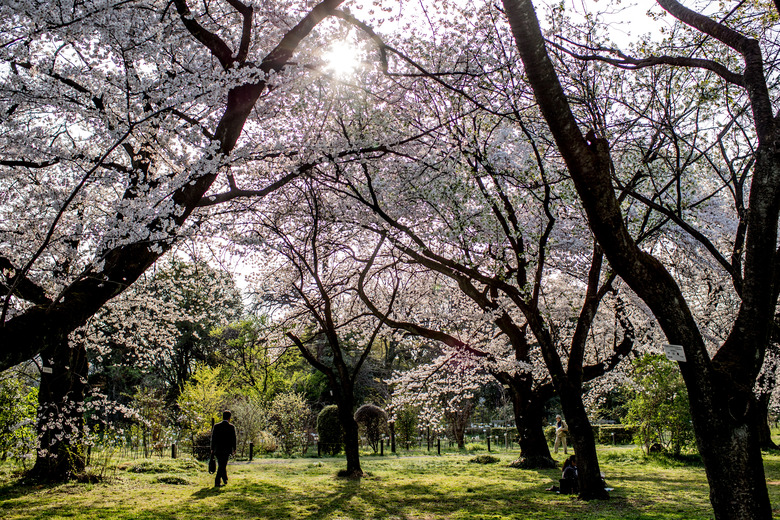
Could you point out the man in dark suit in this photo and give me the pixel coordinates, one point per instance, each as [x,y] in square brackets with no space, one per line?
[223,445]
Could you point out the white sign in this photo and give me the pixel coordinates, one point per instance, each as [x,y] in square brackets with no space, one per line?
[674,352]
[46,370]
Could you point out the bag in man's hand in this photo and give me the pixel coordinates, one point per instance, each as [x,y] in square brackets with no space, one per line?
[212,464]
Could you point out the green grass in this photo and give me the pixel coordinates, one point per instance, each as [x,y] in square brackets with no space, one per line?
[410,488]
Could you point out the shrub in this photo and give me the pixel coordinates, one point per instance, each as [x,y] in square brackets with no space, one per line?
[329,430]
[406,426]
[265,442]
[250,418]
[173,479]
[18,407]
[659,406]
[289,415]
[549,434]
[201,445]
[373,421]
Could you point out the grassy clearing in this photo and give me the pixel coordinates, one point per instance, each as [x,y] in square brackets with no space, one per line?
[409,488]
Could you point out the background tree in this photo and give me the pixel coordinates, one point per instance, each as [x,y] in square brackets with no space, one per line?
[659,405]
[319,310]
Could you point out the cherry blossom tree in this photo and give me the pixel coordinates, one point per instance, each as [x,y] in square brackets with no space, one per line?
[486,210]
[720,385]
[310,278]
[120,120]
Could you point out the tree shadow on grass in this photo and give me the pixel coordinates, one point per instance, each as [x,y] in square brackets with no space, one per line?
[206,492]
[23,487]
[347,490]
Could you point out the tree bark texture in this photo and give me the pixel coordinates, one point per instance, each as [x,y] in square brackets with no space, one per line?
[528,407]
[351,437]
[762,423]
[61,450]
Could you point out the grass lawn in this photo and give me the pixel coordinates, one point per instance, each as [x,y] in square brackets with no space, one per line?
[398,487]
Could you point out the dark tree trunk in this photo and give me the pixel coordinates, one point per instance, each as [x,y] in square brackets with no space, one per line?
[762,423]
[719,388]
[351,438]
[529,418]
[581,433]
[61,452]
[729,447]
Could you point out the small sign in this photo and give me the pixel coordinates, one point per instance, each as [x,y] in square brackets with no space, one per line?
[46,370]
[674,352]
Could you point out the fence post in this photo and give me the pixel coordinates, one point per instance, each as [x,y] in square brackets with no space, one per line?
[251,450]
[173,450]
[488,441]
[438,445]
[392,437]
[382,446]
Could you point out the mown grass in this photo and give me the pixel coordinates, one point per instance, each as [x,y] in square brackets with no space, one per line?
[410,488]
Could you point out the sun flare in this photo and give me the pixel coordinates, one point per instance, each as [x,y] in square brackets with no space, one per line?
[341,59]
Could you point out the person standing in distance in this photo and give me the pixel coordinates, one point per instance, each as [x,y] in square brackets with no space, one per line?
[560,434]
[223,445]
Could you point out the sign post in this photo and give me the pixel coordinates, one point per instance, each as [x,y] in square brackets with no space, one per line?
[674,353]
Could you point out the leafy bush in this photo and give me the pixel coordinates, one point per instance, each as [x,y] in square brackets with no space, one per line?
[289,416]
[265,442]
[373,421]
[549,434]
[329,429]
[659,405]
[172,479]
[406,426]
[250,417]
[201,445]
[203,397]
[18,408]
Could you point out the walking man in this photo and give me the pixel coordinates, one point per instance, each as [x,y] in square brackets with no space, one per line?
[223,445]
[560,434]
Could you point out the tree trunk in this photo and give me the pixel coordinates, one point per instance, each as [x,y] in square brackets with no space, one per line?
[762,423]
[529,418]
[351,439]
[61,453]
[719,388]
[459,419]
[581,435]
[728,442]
